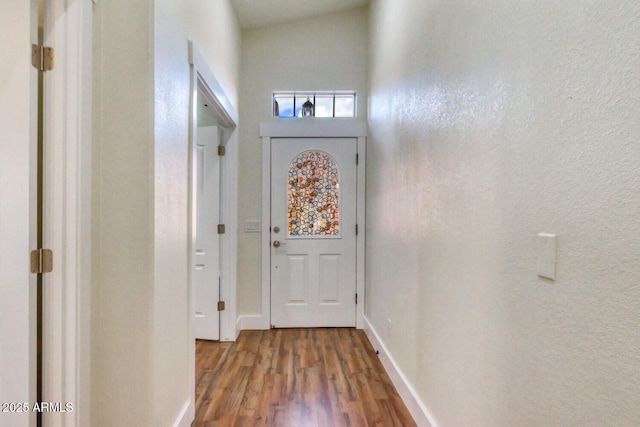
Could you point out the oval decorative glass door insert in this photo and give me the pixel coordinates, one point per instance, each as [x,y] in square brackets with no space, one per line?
[313,195]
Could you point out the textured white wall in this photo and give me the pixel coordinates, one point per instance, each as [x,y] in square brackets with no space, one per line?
[140,354]
[170,350]
[491,122]
[324,53]
[122,271]
[215,30]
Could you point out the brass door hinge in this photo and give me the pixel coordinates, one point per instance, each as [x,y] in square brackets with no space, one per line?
[221,228]
[42,58]
[41,261]
[220,305]
[221,150]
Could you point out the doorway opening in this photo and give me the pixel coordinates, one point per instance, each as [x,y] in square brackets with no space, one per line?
[212,211]
[313,181]
[313,232]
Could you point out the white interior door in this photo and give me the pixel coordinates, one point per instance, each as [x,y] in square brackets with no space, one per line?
[17,227]
[313,232]
[206,256]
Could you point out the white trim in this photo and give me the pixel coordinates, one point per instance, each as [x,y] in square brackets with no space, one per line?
[221,102]
[312,128]
[362,226]
[191,218]
[250,322]
[266,221]
[238,326]
[67,299]
[186,415]
[418,410]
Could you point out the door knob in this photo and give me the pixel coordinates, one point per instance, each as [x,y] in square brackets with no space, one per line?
[276,244]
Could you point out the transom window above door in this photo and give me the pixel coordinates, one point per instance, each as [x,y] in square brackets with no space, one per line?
[314,104]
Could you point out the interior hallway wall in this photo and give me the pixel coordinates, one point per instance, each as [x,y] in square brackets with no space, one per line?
[491,122]
[140,308]
[215,29]
[323,53]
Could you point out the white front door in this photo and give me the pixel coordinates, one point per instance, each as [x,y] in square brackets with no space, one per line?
[18,96]
[313,232]
[206,256]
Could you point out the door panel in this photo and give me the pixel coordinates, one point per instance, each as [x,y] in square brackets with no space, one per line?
[17,211]
[313,219]
[206,257]
[328,280]
[297,283]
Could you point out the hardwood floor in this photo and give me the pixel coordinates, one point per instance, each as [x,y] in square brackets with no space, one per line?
[295,378]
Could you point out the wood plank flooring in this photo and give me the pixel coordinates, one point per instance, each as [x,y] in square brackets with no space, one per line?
[295,378]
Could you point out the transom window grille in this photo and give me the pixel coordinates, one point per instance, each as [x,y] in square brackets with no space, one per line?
[313,195]
[314,104]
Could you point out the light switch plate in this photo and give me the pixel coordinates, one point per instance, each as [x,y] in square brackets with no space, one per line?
[252,226]
[547,255]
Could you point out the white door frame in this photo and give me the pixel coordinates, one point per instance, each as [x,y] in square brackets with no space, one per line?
[67,218]
[203,80]
[312,128]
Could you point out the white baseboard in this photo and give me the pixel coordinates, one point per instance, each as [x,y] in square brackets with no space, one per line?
[250,322]
[418,410]
[238,326]
[186,416]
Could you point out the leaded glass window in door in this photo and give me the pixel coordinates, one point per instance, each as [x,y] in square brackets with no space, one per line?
[313,195]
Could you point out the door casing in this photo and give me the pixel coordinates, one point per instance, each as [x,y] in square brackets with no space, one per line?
[311,128]
[68,217]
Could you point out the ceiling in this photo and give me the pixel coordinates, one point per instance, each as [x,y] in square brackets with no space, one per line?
[260,13]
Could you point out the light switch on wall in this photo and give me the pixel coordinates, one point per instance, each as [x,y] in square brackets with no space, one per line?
[252,226]
[547,255]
